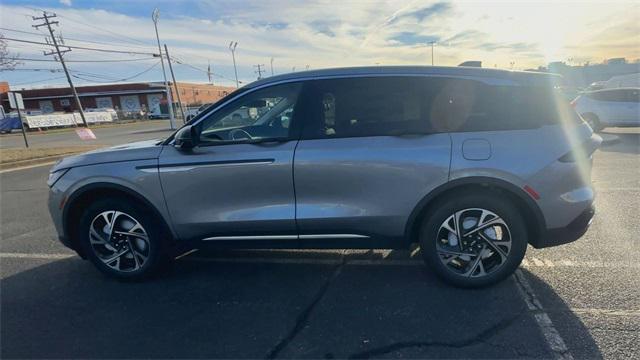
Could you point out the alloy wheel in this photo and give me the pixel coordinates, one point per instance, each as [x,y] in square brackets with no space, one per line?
[473,242]
[119,241]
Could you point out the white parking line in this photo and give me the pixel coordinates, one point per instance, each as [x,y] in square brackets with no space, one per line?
[554,340]
[35,256]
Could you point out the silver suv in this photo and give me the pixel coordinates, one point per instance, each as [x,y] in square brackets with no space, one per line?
[472,164]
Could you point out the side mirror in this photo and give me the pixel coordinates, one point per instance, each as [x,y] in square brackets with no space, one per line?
[186,138]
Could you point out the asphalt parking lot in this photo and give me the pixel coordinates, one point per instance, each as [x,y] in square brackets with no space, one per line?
[578,301]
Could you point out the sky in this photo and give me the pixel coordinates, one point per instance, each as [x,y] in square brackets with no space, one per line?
[311,34]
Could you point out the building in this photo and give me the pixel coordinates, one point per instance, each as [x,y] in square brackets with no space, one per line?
[127,97]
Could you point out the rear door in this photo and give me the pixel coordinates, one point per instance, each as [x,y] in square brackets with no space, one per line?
[366,158]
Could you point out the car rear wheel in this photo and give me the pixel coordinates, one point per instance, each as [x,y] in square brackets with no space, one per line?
[122,240]
[593,121]
[474,240]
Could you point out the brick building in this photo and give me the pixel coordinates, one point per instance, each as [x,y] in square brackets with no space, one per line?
[126,97]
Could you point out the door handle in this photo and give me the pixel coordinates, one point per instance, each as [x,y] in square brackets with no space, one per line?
[271,142]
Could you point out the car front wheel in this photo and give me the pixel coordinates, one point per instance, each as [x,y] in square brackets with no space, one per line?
[474,240]
[122,240]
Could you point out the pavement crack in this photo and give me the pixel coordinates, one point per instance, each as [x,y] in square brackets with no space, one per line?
[303,318]
[481,337]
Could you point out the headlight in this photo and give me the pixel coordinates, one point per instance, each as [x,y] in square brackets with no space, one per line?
[55,176]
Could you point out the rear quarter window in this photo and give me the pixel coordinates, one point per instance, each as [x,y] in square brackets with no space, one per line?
[494,108]
[610,95]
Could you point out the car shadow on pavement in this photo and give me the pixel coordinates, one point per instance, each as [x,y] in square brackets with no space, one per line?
[627,142]
[216,309]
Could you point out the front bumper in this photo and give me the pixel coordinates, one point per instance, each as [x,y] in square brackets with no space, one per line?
[569,233]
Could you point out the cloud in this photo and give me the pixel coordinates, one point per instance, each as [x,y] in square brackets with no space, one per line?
[66,2]
[420,14]
[345,33]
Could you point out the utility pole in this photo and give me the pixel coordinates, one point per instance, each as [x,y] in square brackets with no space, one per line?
[46,17]
[232,47]
[175,84]
[432,43]
[259,70]
[155,15]
[271,66]
[209,72]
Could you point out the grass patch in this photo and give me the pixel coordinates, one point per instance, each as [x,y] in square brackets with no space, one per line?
[13,155]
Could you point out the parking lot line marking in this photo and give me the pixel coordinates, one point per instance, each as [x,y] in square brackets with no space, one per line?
[548,262]
[552,336]
[537,261]
[26,167]
[608,312]
[35,256]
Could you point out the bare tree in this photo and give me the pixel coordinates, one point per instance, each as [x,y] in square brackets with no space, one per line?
[7,60]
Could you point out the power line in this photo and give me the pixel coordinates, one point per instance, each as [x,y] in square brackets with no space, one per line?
[83,61]
[181,62]
[38,81]
[75,39]
[128,39]
[82,47]
[114,80]
[32,69]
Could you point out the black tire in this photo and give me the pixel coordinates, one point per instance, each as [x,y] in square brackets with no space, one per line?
[593,121]
[157,251]
[492,201]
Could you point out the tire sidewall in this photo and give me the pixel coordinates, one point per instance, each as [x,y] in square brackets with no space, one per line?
[492,202]
[157,247]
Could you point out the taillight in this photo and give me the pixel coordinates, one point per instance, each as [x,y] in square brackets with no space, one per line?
[584,150]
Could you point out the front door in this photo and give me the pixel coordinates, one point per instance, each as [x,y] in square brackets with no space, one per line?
[238,183]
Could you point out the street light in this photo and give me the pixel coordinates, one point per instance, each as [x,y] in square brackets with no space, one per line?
[432,43]
[155,15]
[232,47]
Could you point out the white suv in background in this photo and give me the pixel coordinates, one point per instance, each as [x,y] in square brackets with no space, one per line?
[609,107]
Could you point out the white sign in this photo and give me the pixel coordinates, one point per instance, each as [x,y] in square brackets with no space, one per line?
[13,96]
[48,120]
[85,134]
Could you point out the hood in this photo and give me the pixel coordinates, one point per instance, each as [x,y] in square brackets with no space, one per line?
[148,149]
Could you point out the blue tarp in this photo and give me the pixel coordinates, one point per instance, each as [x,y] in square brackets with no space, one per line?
[9,123]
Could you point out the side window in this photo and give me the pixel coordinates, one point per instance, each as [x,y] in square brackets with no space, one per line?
[610,95]
[357,107]
[259,115]
[464,105]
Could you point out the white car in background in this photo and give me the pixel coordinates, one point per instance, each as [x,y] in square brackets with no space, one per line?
[609,107]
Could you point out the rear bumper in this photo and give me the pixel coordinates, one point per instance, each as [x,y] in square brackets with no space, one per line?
[569,233]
